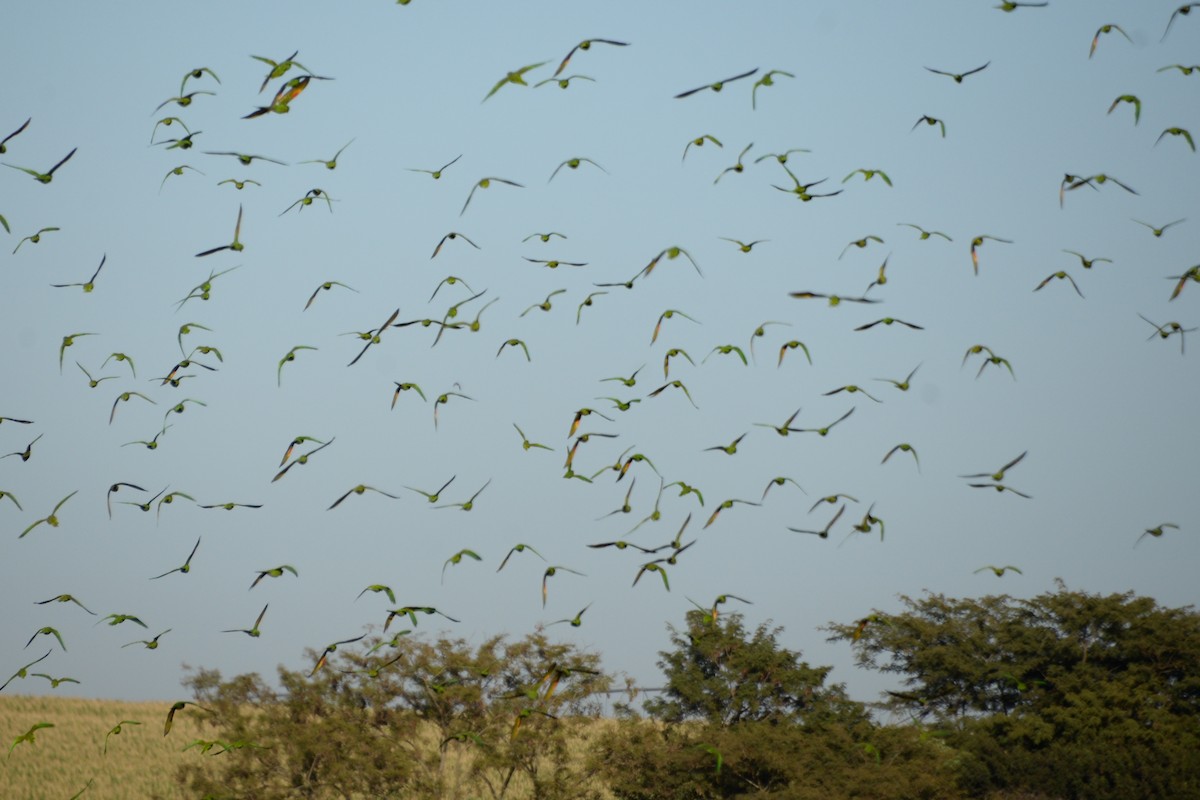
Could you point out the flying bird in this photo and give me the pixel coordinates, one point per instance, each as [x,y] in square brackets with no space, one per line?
[958,76]
[1156,532]
[4,142]
[1060,275]
[245,158]
[484,183]
[1104,29]
[573,163]
[903,447]
[904,384]
[699,142]
[766,80]
[520,547]
[291,356]
[43,177]
[718,86]
[1164,331]
[29,735]
[331,163]
[924,233]
[450,237]
[834,300]
[1192,274]
[1088,263]
[550,573]
[469,504]
[585,45]
[178,706]
[1187,137]
[1182,11]
[278,68]
[1158,232]
[326,286]
[860,244]
[457,559]
[564,83]
[236,245]
[274,572]
[738,167]
[999,571]
[999,487]
[727,504]
[1133,100]
[182,570]
[436,173]
[375,339]
[931,121]
[868,174]
[33,238]
[360,489]
[88,285]
[253,632]
[516,77]
[51,519]
[329,650]
[977,242]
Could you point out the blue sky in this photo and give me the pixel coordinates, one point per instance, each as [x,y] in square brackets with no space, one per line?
[1105,415]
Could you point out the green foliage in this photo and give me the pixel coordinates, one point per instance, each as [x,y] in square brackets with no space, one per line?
[720,674]
[1067,694]
[412,718]
[744,717]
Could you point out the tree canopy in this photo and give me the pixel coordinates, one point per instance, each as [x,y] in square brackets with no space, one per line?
[1067,694]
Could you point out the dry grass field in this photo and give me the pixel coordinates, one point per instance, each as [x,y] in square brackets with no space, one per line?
[140,762]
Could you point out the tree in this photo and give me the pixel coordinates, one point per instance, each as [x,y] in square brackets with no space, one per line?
[720,674]
[407,718]
[744,717]
[1067,694]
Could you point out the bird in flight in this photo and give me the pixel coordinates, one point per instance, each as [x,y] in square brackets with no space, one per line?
[484,183]
[958,76]
[87,285]
[999,571]
[766,80]
[718,86]
[236,245]
[1156,531]
[516,77]
[253,631]
[1182,11]
[43,177]
[1104,29]
[436,173]
[585,45]
[4,142]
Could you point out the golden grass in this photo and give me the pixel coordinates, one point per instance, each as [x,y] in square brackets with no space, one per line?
[140,763]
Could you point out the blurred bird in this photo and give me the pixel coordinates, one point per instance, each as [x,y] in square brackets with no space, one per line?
[44,177]
[516,77]
[766,80]
[958,76]
[718,86]
[585,45]
[1103,29]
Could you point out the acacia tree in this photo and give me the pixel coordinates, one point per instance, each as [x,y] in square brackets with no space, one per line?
[407,718]
[1066,694]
